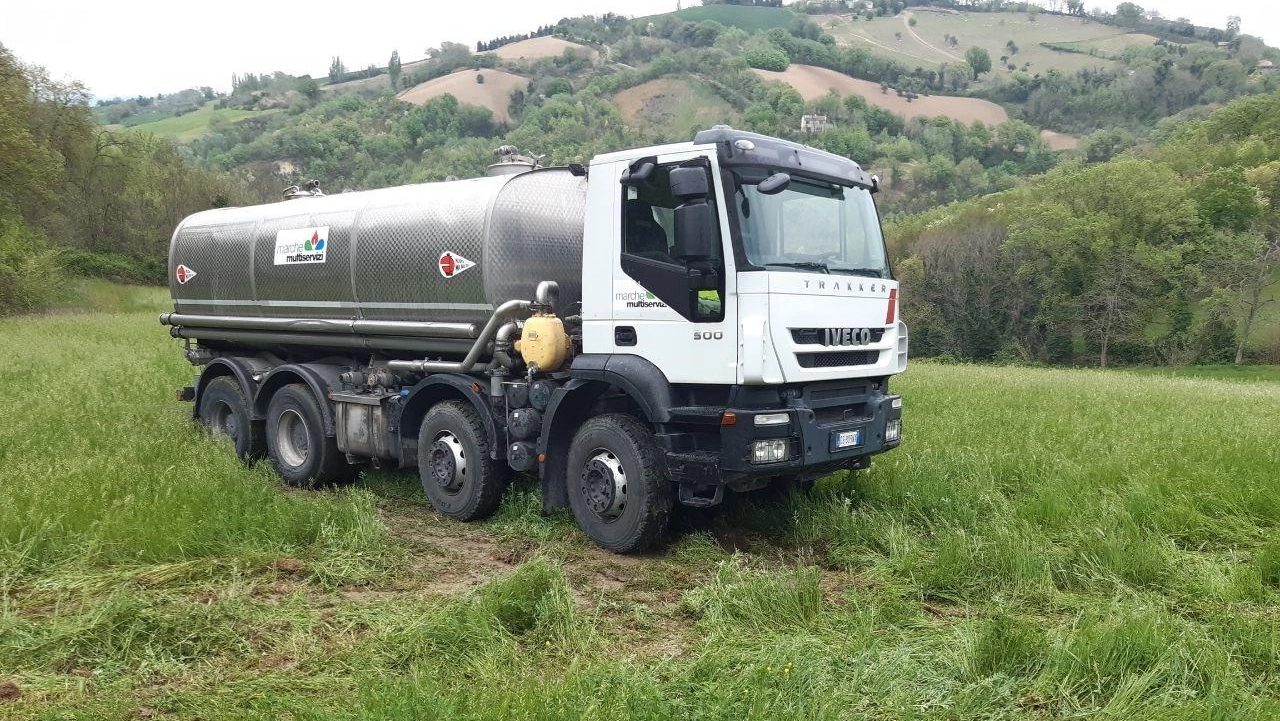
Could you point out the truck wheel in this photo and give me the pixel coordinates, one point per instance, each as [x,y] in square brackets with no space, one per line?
[460,479]
[300,451]
[224,411]
[619,487]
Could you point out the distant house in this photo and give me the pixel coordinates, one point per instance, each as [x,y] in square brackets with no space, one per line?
[1265,66]
[814,123]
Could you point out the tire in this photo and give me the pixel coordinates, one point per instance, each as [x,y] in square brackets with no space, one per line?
[458,476]
[225,411]
[621,513]
[297,445]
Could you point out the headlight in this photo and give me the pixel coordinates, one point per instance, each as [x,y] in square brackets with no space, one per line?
[896,402]
[893,431]
[773,419]
[770,450]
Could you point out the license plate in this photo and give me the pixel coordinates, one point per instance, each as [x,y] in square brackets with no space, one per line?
[847,439]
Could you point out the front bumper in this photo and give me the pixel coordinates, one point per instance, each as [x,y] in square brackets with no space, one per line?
[819,417]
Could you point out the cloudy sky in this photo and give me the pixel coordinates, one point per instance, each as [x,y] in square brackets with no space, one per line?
[148,46]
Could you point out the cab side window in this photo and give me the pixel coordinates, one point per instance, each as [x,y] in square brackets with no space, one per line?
[649,246]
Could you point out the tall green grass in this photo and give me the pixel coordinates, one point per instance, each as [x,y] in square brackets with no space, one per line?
[1045,544]
[99,465]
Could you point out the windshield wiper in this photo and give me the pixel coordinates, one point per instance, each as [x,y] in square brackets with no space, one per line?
[805,264]
[869,272]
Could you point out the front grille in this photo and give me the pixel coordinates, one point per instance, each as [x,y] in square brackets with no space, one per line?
[818,336]
[822,394]
[838,359]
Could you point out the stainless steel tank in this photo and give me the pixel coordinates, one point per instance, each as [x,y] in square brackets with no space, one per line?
[446,252]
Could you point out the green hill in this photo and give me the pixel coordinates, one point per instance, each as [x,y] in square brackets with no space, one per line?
[190,126]
[749,18]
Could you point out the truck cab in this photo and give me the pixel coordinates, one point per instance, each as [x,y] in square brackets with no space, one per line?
[653,330]
[749,295]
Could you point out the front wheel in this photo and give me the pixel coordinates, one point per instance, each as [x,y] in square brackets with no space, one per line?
[458,476]
[619,487]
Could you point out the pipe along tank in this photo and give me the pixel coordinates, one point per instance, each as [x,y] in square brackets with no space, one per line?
[398,272]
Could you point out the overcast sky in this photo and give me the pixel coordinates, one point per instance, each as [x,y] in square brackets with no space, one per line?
[146,47]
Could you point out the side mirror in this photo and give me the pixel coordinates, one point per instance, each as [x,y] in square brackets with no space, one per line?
[638,172]
[696,237]
[689,183]
[775,183]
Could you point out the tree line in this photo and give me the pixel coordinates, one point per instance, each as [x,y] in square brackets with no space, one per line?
[75,198]
[1169,254]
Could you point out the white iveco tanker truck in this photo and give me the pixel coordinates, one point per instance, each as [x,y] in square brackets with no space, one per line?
[657,327]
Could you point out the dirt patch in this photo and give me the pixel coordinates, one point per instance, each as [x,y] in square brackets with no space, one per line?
[676,105]
[814,82]
[544,47]
[1059,141]
[9,691]
[494,92]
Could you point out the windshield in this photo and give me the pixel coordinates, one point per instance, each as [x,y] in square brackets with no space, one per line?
[812,226]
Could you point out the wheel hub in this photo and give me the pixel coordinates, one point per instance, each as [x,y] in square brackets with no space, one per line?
[225,421]
[604,485]
[448,462]
[293,440]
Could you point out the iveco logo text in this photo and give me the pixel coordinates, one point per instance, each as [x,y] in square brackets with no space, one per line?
[836,285]
[846,336]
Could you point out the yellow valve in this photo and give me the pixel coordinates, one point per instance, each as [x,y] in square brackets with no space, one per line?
[543,342]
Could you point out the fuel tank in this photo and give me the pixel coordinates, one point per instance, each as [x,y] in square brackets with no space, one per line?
[448,252]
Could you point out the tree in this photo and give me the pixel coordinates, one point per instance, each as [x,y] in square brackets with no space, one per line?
[1245,265]
[978,59]
[336,70]
[393,69]
[1233,26]
[309,89]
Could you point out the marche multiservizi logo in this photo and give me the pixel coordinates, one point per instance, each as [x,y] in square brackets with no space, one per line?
[302,245]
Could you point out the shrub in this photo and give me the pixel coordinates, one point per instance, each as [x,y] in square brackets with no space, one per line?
[114,266]
[30,276]
[767,59]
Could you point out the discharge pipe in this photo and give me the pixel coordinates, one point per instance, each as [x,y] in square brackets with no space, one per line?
[417,329]
[547,295]
[501,315]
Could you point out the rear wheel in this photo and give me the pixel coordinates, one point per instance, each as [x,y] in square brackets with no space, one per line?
[299,449]
[619,487]
[458,476]
[225,411]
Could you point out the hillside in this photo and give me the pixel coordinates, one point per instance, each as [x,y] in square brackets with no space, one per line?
[195,124]
[943,36]
[813,83]
[675,106]
[935,133]
[542,47]
[489,89]
[748,18]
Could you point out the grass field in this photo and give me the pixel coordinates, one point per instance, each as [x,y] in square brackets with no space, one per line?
[494,93]
[751,19]
[1046,544]
[192,125]
[924,44]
